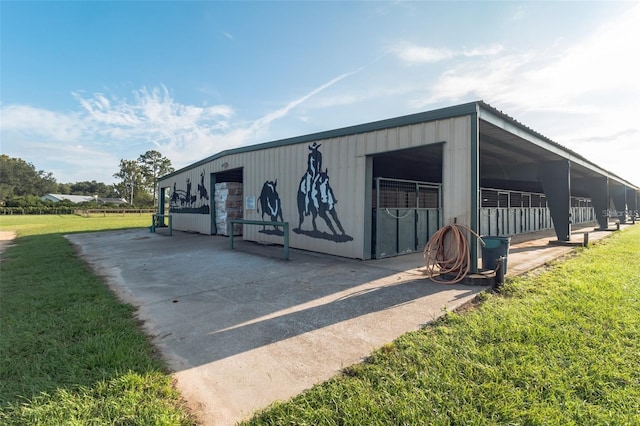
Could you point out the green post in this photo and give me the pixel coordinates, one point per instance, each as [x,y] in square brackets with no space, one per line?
[231,235]
[285,228]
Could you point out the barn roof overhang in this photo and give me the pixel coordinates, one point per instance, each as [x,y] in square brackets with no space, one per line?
[511,153]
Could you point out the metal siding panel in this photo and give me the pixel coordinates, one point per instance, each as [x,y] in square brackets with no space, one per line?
[370,143]
[406,231]
[429,131]
[404,137]
[381,141]
[361,141]
[358,206]
[485,221]
[387,232]
[392,139]
[250,188]
[416,135]
[422,228]
[456,169]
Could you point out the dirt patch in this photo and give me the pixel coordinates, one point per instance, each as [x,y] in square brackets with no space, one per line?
[6,240]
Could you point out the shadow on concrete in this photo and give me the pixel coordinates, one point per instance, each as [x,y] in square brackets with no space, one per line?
[257,332]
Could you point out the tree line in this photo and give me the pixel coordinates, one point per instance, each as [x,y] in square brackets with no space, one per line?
[22,185]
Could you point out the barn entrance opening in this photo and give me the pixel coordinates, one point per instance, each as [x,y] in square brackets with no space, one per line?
[227,189]
[406,202]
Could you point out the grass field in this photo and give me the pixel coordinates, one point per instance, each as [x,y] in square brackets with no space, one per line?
[70,352]
[558,348]
[64,224]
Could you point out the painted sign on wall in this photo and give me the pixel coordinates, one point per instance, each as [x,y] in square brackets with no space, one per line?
[183,201]
[315,198]
[269,204]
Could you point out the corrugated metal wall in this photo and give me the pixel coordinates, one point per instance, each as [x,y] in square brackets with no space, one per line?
[344,161]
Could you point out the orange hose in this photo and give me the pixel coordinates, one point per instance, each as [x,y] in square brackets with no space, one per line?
[447,253]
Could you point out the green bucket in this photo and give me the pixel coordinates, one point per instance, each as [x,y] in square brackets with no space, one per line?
[494,249]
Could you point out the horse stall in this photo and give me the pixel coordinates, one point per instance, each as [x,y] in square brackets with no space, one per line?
[405,215]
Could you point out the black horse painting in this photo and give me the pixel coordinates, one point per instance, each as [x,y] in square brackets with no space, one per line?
[183,201]
[316,198]
[269,202]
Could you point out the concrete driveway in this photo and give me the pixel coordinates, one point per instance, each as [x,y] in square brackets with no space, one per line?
[244,328]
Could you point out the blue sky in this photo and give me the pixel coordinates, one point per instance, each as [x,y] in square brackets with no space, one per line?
[85,84]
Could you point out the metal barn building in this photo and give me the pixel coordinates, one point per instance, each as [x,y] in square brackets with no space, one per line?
[383,188]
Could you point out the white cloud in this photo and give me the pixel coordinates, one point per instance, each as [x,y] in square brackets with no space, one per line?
[287,108]
[420,54]
[554,78]
[27,120]
[483,51]
[414,54]
[152,119]
[585,96]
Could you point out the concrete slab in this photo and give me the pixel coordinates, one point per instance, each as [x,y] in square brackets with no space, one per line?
[244,328]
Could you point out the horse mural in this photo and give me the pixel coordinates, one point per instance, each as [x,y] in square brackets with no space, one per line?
[316,198]
[202,190]
[183,201]
[269,202]
[314,164]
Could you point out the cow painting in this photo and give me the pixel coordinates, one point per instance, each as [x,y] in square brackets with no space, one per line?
[270,204]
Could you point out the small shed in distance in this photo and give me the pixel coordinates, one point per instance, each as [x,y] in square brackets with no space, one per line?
[76,199]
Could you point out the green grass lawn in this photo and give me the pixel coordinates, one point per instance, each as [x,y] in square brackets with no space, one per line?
[64,224]
[70,353]
[557,348]
[560,347]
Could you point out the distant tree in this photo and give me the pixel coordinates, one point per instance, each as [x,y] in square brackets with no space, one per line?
[63,188]
[92,188]
[131,179]
[154,165]
[132,184]
[20,178]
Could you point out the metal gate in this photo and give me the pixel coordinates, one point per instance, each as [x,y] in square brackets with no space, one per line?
[405,215]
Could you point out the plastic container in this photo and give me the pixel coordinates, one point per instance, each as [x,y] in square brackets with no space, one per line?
[494,249]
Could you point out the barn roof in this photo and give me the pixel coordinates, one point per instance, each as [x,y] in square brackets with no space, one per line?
[483,109]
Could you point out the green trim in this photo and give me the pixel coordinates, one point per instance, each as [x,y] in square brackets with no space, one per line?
[212,197]
[155,222]
[368,211]
[161,196]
